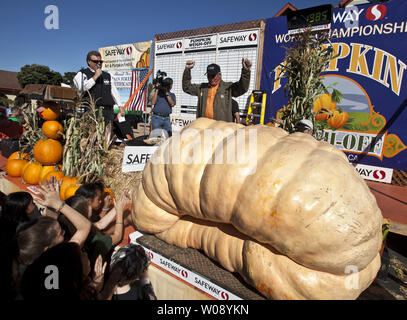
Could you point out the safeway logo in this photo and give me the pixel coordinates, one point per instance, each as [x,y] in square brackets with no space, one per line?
[379,174]
[129,50]
[179,45]
[224,295]
[150,254]
[252,37]
[184,274]
[374,173]
[376,12]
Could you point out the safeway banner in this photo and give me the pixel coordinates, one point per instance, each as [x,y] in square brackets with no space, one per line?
[126,56]
[370,72]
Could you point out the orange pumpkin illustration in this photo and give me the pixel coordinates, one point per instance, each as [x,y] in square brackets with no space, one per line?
[338,119]
[324,101]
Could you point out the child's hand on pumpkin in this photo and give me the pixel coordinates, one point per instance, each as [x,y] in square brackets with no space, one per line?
[49,194]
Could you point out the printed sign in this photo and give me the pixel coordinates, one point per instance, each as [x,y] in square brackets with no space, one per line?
[122,80]
[374,173]
[187,275]
[135,158]
[238,39]
[369,123]
[179,121]
[202,42]
[168,46]
[126,56]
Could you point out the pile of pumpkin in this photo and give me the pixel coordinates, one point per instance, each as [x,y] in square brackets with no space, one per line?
[337,118]
[47,156]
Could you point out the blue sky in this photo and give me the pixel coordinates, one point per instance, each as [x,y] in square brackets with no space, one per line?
[87,25]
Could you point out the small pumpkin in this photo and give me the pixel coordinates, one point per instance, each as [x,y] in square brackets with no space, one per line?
[110,192]
[66,183]
[324,101]
[70,191]
[31,174]
[51,110]
[14,167]
[51,129]
[25,167]
[19,155]
[338,119]
[48,152]
[59,175]
[45,170]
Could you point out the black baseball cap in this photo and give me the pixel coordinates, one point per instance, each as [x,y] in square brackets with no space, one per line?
[212,69]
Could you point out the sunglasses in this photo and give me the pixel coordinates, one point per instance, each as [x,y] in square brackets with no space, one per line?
[97,61]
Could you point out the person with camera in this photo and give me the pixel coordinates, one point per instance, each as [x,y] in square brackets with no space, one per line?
[215,96]
[163,101]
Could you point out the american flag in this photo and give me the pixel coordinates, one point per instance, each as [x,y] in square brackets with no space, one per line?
[139,101]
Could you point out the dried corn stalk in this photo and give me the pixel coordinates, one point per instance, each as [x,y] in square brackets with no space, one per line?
[87,143]
[305,60]
[33,131]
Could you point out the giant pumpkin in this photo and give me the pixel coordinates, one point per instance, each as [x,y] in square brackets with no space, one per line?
[48,152]
[291,215]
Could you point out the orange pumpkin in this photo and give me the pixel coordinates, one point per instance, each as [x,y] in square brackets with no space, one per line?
[324,101]
[70,191]
[110,192]
[338,119]
[48,152]
[66,183]
[19,155]
[51,110]
[57,174]
[45,170]
[51,129]
[31,174]
[25,167]
[14,167]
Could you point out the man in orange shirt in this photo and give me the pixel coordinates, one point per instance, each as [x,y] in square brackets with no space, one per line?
[215,96]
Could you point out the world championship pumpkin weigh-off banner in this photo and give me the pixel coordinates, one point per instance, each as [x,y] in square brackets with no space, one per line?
[370,122]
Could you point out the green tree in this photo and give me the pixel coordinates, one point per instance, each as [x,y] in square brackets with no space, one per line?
[38,74]
[68,78]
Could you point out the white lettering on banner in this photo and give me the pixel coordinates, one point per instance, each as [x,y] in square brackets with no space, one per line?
[201,43]
[374,173]
[371,144]
[238,39]
[124,56]
[168,46]
[187,275]
[179,121]
[135,158]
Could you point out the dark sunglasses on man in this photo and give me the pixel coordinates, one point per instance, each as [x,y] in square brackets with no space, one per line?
[97,61]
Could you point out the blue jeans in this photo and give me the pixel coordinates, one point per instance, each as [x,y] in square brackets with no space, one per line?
[159,122]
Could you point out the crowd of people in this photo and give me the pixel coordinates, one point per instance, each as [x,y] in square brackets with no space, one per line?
[56,249]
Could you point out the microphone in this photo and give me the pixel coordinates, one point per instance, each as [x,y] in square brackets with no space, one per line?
[99,66]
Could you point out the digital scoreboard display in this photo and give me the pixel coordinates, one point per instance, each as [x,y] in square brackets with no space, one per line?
[310,17]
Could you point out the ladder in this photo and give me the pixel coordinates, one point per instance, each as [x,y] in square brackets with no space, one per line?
[257,108]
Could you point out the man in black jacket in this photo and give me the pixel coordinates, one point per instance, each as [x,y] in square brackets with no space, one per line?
[103,90]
